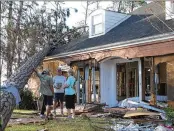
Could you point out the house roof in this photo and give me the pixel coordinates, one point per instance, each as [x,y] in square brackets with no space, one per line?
[135,27]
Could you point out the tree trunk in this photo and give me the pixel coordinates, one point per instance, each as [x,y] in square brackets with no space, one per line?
[119,6]
[18,80]
[19,35]
[9,57]
[132,6]
[86,14]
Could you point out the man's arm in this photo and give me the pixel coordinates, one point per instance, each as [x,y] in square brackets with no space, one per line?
[67,83]
[38,74]
[52,89]
[51,85]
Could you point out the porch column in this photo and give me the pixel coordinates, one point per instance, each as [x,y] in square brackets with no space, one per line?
[143,79]
[86,83]
[140,79]
[78,86]
[108,83]
[93,83]
[127,81]
[83,87]
[152,84]
[83,92]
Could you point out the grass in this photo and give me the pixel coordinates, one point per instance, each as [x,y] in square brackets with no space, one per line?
[61,124]
[78,124]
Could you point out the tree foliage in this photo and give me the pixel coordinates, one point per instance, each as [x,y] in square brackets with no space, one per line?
[25,23]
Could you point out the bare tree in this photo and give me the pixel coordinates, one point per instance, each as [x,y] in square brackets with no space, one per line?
[10,44]
[88,11]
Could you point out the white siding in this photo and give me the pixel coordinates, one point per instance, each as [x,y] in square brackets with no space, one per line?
[90,22]
[110,20]
[169,10]
[108,83]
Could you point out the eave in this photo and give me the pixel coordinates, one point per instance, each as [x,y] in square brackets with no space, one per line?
[101,52]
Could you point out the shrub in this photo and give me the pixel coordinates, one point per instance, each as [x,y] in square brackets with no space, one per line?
[169,113]
[27,100]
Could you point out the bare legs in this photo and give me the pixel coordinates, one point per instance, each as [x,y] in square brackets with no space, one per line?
[61,107]
[69,113]
[48,111]
[55,105]
[73,113]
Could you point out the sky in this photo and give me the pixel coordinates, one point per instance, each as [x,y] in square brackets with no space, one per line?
[79,16]
[79,5]
[76,17]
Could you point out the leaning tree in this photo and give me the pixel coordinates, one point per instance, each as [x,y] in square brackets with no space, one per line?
[10,91]
[17,81]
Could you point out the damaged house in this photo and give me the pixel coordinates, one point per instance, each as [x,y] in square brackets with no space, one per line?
[124,55]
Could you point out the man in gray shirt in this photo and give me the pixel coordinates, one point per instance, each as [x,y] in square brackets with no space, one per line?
[46,89]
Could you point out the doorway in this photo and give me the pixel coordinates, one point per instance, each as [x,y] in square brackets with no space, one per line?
[127,80]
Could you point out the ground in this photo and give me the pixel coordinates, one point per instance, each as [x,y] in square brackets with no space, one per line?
[23,121]
[111,119]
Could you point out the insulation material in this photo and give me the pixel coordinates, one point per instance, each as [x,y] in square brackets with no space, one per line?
[135,103]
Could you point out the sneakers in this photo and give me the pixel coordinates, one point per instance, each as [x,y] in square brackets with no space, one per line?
[70,117]
[54,114]
[62,114]
[51,116]
[42,116]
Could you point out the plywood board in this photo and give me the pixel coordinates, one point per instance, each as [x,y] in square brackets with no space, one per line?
[140,113]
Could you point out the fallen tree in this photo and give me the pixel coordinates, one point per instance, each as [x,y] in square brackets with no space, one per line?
[16,82]
[9,93]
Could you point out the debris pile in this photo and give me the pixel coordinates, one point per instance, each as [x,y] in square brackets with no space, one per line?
[128,125]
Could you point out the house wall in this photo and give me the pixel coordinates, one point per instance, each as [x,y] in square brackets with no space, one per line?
[100,11]
[34,84]
[108,80]
[169,9]
[169,76]
[170,80]
[112,19]
[52,66]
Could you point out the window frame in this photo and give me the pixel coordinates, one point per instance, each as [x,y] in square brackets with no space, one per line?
[172,7]
[94,25]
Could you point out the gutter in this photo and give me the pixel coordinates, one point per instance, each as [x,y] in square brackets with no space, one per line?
[140,41]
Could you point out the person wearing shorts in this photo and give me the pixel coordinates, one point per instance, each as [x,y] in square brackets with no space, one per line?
[70,94]
[46,89]
[58,81]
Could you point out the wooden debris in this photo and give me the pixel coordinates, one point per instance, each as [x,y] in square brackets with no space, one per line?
[43,130]
[93,107]
[121,111]
[140,113]
[148,121]
[80,112]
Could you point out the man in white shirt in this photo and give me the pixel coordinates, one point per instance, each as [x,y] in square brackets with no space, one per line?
[58,81]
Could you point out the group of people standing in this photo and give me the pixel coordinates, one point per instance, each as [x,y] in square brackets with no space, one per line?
[54,90]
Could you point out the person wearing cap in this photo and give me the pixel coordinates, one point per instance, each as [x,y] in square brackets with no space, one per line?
[70,94]
[46,89]
[58,81]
